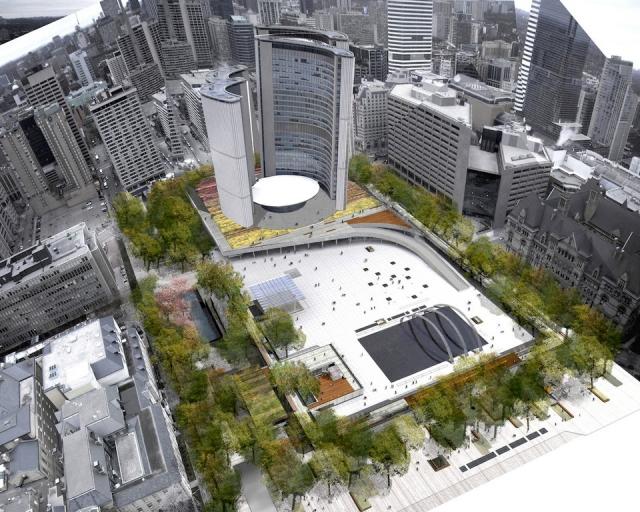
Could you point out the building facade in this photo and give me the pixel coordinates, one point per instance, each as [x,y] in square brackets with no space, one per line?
[614,107]
[370,118]
[71,166]
[49,285]
[42,88]
[241,40]
[82,67]
[127,137]
[8,223]
[550,76]
[409,32]
[305,82]
[220,45]
[166,110]
[587,242]
[228,112]
[429,138]
[191,84]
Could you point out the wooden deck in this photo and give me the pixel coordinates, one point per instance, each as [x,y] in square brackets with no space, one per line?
[384,217]
[508,360]
[330,390]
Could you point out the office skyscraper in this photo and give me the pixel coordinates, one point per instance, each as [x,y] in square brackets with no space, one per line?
[127,137]
[305,82]
[42,88]
[82,67]
[269,11]
[71,167]
[222,8]
[8,223]
[429,138]
[241,39]
[220,45]
[186,21]
[410,25]
[614,107]
[550,76]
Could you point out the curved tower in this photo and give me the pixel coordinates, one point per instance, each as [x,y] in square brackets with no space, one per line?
[226,102]
[305,81]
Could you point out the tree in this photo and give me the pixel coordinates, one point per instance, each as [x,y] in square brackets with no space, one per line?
[330,466]
[219,279]
[591,322]
[236,342]
[481,257]
[146,247]
[360,169]
[278,328]
[287,472]
[408,430]
[171,300]
[389,453]
[527,388]
[130,213]
[588,356]
[355,441]
[440,410]
[290,377]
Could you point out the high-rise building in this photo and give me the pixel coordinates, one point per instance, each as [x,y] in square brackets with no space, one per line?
[550,75]
[147,79]
[410,24]
[505,168]
[110,8]
[53,283]
[127,137]
[71,166]
[191,84]
[429,138]
[140,43]
[221,8]
[614,107]
[117,68]
[220,45]
[370,118]
[177,57]
[166,110]
[195,14]
[27,180]
[370,62]
[8,223]
[107,27]
[586,102]
[42,89]
[241,39]
[269,11]
[186,21]
[360,27]
[228,111]
[82,67]
[305,81]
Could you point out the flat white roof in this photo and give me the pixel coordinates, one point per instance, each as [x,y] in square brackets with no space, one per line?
[284,190]
[421,96]
[484,161]
[340,296]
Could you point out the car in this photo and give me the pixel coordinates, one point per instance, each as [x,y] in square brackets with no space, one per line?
[104,210]
[89,203]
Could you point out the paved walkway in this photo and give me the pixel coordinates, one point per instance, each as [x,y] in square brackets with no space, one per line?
[254,490]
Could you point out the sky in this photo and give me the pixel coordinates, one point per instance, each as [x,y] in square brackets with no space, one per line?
[612,24]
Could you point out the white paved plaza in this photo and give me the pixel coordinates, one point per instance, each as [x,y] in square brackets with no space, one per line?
[341,297]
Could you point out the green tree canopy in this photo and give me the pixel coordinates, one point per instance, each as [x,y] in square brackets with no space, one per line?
[277,326]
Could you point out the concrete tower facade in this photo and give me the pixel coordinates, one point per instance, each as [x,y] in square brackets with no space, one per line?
[226,101]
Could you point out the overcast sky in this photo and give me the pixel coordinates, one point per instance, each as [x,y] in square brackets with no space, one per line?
[612,24]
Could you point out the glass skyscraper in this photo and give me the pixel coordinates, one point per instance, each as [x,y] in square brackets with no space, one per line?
[550,77]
